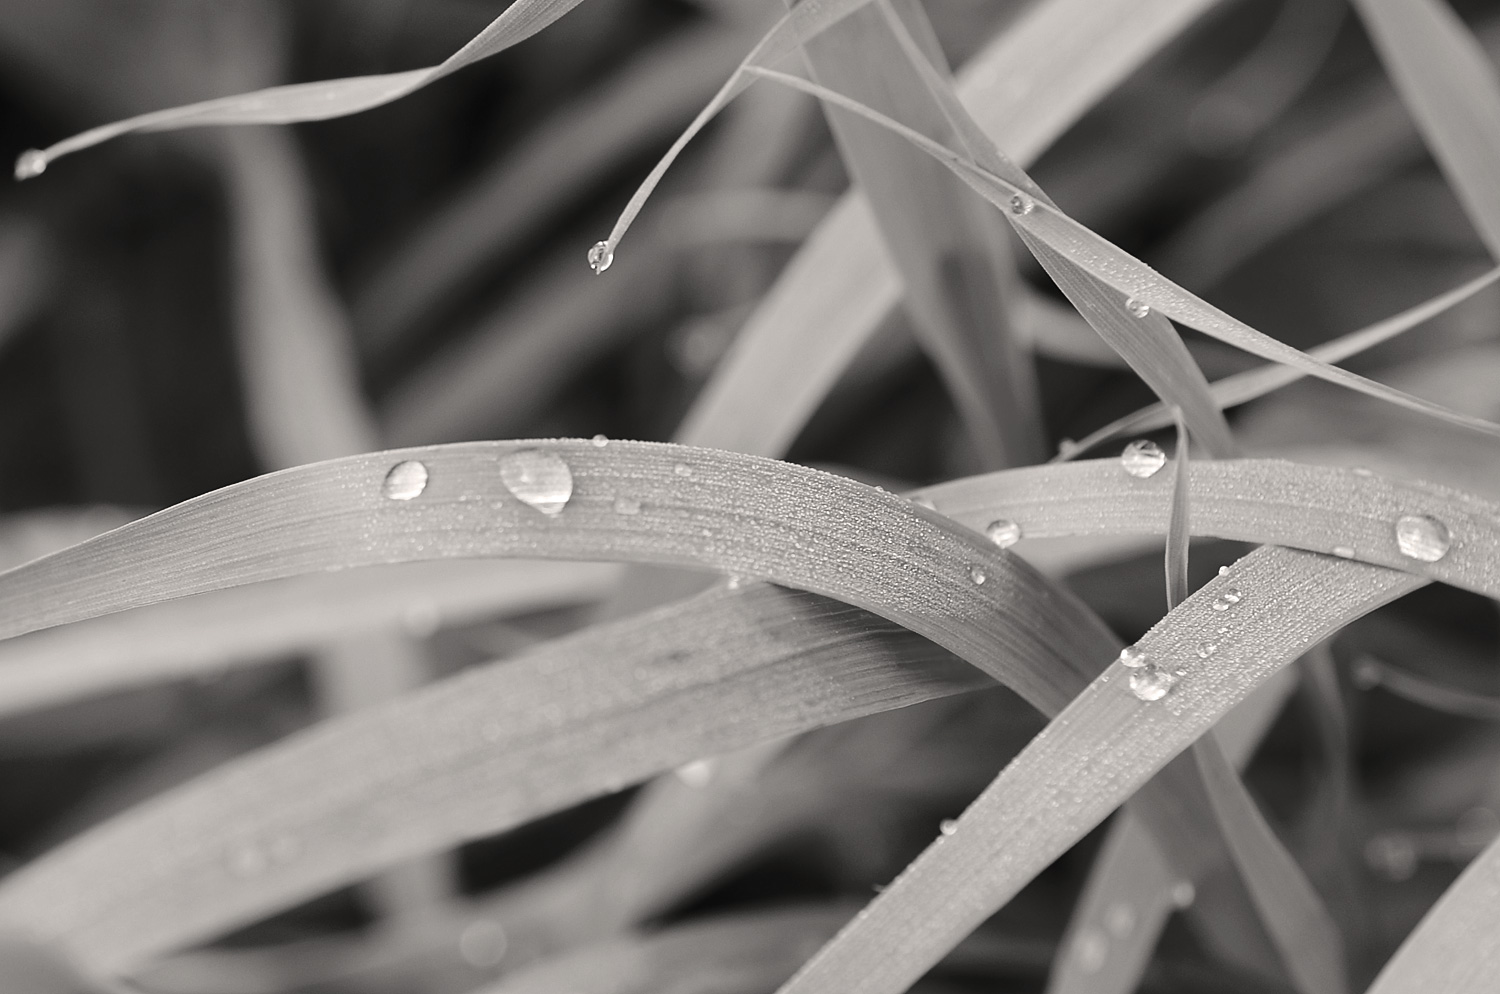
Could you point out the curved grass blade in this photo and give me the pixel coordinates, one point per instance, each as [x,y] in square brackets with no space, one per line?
[313,101]
[1113,266]
[1448,82]
[1241,388]
[1429,693]
[1179,519]
[1042,73]
[1090,758]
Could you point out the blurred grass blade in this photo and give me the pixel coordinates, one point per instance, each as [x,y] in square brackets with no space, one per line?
[1178,526]
[1304,932]
[1046,69]
[315,101]
[1451,88]
[1112,265]
[1430,693]
[1110,742]
[1241,388]
[953,256]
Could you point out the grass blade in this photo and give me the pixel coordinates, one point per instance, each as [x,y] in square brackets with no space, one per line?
[1448,82]
[1429,693]
[1178,520]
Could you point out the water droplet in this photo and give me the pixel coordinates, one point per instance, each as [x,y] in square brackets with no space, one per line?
[248,861]
[1223,570]
[1021,204]
[1067,448]
[1119,919]
[406,479]
[1151,683]
[682,469]
[1206,649]
[1142,459]
[1133,658]
[539,479]
[1228,599]
[1003,532]
[1343,552]
[1138,308]
[627,505]
[1393,855]
[696,774]
[600,440]
[601,257]
[31,163]
[948,826]
[1091,949]
[977,575]
[1422,538]
[1363,471]
[733,582]
[483,943]
[1184,893]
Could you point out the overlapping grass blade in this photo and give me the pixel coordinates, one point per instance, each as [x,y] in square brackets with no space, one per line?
[1113,266]
[1429,693]
[1179,519]
[1091,757]
[1025,88]
[315,101]
[1447,80]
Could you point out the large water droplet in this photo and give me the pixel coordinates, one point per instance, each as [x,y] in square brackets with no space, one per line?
[1133,658]
[406,479]
[1422,538]
[601,257]
[1138,308]
[1020,204]
[977,575]
[1151,683]
[1228,598]
[1091,949]
[483,943]
[31,163]
[540,479]
[1142,458]
[600,440]
[948,826]
[696,774]
[1206,649]
[1003,532]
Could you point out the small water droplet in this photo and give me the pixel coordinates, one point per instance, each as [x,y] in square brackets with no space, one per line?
[248,861]
[696,774]
[733,582]
[1393,855]
[977,575]
[1206,649]
[406,479]
[1138,308]
[31,163]
[1133,658]
[1003,532]
[483,943]
[1091,949]
[1223,570]
[1184,893]
[1142,458]
[627,505]
[1021,204]
[1151,683]
[1422,538]
[1228,599]
[601,257]
[539,479]
[1343,552]
[948,826]
[600,440]
[682,469]
[1119,919]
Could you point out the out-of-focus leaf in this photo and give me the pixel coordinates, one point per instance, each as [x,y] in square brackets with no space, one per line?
[1178,521]
[1429,693]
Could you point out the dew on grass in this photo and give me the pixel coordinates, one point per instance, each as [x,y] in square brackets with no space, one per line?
[601,257]
[1422,538]
[948,826]
[539,479]
[1142,459]
[1206,649]
[31,163]
[1003,532]
[1228,599]
[1138,308]
[1133,658]
[600,440]
[1343,552]
[627,505]
[696,774]
[1151,683]
[977,575]
[406,479]
[1021,205]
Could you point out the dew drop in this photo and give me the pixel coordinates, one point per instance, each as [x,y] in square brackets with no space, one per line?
[483,943]
[1151,683]
[1142,458]
[977,575]
[539,479]
[1343,552]
[1228,599]
[1206,649]
[1223,570]
[406,479]
[1138,308]
[1020,204]
[948,826]
[30,163]
[1091,949]
[600,440]
[1184,893]
[1003,532]
[1119,919]
[696,774]
[682,469]
[1422,538]
[627,505]
[1133,658]
[601,257]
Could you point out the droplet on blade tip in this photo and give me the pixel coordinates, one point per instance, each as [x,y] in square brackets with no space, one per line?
[30,164]
[601,257]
